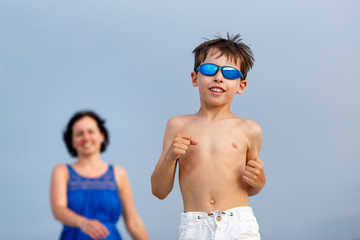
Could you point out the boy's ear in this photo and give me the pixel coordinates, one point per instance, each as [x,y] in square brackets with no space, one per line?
[194,79]
[242,87]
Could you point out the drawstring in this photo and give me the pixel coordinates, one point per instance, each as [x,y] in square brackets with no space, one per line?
[212,214]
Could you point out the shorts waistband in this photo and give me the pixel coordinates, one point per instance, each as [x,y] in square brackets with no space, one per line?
[237,212]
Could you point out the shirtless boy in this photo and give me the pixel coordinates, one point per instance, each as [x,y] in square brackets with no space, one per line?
[217,151]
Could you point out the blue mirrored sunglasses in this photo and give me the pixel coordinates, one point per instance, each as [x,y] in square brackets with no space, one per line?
[210,69]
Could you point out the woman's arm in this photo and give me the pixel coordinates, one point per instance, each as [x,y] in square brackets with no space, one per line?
[133,222]
[58,200]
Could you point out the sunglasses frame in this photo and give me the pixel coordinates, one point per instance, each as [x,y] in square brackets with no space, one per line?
[222,71]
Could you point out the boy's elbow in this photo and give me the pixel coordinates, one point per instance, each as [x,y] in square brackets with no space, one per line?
[155,189]
[160,195]
[158,188]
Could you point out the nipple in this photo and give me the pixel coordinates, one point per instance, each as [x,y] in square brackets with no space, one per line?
[234,145]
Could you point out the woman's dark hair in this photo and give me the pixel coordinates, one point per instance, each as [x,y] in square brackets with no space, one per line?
[77,116]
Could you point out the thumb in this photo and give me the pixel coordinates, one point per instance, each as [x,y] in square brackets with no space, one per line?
[193,142]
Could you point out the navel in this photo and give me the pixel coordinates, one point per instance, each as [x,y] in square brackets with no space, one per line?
[212,201]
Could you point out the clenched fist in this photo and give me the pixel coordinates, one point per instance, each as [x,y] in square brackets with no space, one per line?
[179,146]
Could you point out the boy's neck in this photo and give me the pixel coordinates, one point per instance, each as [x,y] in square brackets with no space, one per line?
[214,113]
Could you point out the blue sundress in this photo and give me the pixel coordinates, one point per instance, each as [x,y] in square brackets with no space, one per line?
[94,198]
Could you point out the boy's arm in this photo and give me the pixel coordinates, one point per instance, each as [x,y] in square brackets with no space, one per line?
[254,174]
[174,145]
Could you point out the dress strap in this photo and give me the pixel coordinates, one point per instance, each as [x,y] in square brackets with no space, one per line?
[71,170]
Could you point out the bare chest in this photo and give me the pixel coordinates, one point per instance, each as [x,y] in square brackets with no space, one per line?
[221,142]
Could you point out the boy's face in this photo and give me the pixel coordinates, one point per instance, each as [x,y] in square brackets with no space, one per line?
[217,90]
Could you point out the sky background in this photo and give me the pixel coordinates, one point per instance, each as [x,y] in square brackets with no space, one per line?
[130,61]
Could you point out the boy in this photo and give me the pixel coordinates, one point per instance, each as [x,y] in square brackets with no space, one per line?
[217,152]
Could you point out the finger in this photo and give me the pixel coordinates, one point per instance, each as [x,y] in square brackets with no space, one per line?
[261,163]
[179,150]
[254,164]
[99,234]
[193,142]
[107,232]
[93,235]
[181,146]
[249,174]
[248,180]
[254,176]
[100,229]
[189,140]
[184,144]
[250,169]
[103,231]
[253,171]
[182,141]
[183,136]
[258,160]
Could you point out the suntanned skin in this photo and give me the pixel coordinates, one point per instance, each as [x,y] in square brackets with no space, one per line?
[217,152]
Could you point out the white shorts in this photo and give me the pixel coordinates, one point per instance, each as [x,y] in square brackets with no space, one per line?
[235,223]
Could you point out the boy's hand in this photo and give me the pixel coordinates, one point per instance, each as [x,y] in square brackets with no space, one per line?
[254,174]
[179,146]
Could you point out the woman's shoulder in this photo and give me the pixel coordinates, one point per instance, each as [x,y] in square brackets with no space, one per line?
[60,171]
[60,168]
[119,172]
[120,176]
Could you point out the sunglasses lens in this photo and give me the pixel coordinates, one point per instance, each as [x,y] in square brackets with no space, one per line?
[208,69]
[231,73]
[228,72]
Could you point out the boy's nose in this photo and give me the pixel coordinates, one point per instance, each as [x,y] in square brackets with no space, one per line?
[219,78]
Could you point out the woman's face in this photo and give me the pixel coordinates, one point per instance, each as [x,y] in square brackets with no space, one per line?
[87,137]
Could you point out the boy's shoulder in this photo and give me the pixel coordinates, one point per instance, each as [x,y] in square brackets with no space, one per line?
[177,123]
[247,122]
[248,126]
[181,119]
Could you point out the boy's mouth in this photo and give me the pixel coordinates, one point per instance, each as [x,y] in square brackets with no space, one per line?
[217,89]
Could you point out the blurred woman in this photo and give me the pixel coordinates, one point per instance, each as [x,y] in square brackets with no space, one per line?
[89,195]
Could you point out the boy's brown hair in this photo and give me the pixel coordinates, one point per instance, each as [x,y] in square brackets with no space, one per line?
[232,47]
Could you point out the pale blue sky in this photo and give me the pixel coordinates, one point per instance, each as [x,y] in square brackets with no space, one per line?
[131,61]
